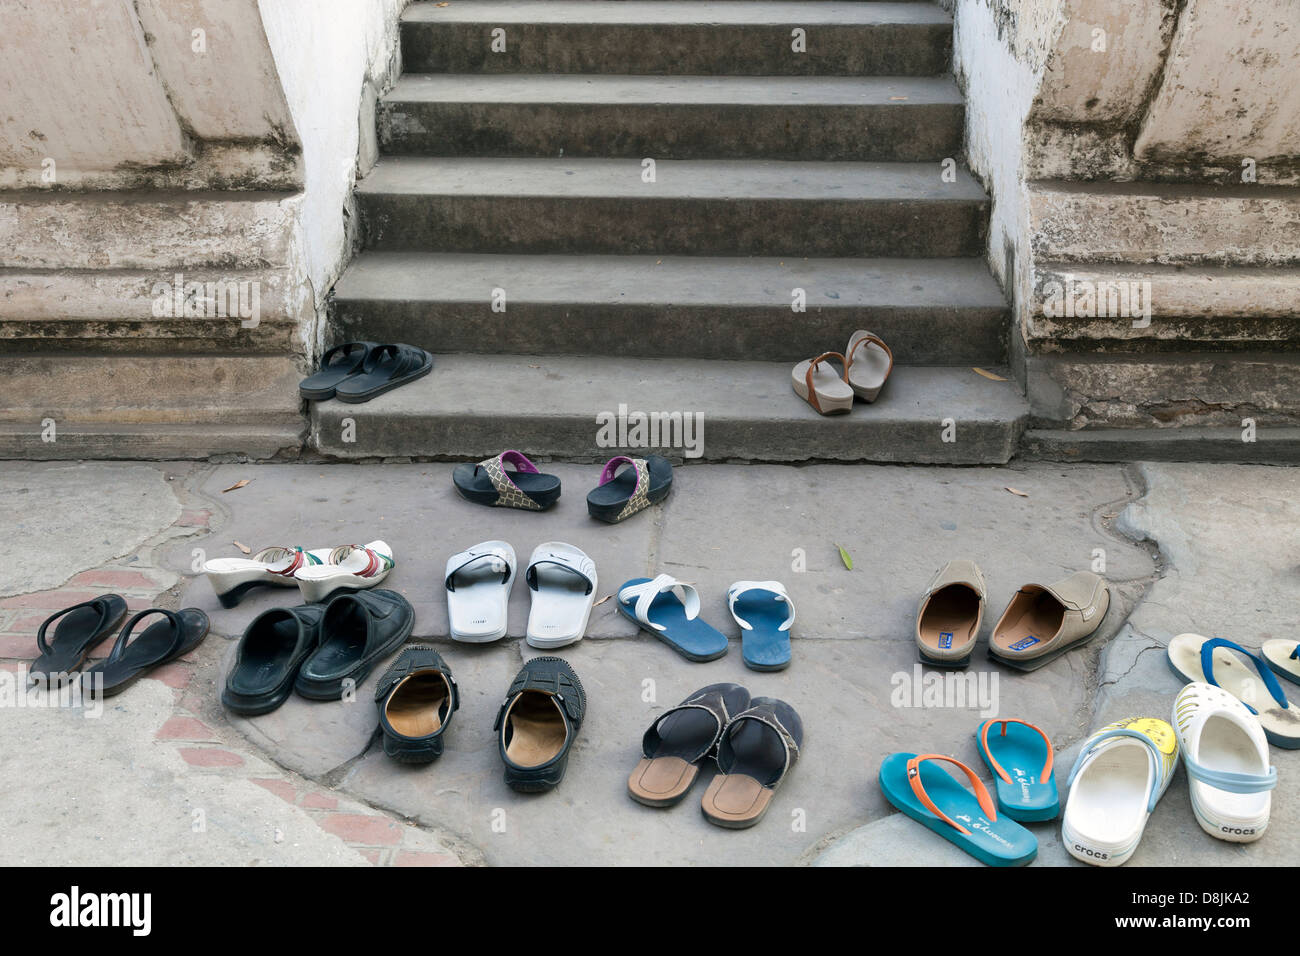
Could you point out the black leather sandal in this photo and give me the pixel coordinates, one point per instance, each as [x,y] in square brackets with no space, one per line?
[385,368]
[538,723]
[755,754]
[357,631]
[417,697]
[679,740]
[80,630]
[340,362]
[162,641]
[270,652]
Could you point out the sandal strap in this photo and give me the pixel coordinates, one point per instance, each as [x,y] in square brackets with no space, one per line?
[812,367]
[345,349]
[869,338]
[581,565]
[375,560]
[918,788]
[509,495]
[1265,672]
[43,645]
[1153,752]
[639,499]
[741,587]
[119,646]
[646,592]
[714,703]
[764,714]
[1043,775]
[459,562]
[298,558]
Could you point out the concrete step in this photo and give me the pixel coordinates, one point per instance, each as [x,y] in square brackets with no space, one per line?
[888,119]
[733,37]
[1273,445]
[169,441]
[930,311]
[472,406]
[694,207]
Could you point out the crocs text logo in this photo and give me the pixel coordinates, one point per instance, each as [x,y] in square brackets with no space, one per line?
[1095,854]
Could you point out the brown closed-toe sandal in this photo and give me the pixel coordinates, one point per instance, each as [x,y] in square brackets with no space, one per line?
[818,384]
[1042,621]
[949,616]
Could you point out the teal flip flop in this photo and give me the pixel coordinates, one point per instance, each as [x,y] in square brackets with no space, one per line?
[933,798]
[1021,759]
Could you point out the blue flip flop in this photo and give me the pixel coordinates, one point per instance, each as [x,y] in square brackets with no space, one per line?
[1021,759]
[670,610]
[765,612]
[933,798]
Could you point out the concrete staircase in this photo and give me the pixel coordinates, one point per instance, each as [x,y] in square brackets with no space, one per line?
[515,227]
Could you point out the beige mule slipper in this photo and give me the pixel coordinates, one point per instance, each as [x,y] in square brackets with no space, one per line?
[818,384]
[870,361]
[949,616]
[1042,622]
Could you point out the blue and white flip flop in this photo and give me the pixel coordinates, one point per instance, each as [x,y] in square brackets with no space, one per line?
[933,798]
[670,610]
[1284,657]
[1021,759]
[1196,658]
[765,612]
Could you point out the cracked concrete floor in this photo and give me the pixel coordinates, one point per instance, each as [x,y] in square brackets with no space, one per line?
[1224,564]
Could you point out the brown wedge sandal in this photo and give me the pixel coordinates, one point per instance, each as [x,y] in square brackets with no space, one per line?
[679,740]
[815,381]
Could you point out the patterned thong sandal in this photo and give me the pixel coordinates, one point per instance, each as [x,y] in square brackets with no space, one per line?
[488,483]
[622,494]
[817,384]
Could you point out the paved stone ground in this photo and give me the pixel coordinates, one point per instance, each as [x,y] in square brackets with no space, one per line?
[163,775]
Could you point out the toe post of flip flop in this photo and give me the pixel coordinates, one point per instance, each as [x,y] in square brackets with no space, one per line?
[917,785]
[670,610]
[758,749]
[629,485]
[1246,676]
[678,742]
[765,614]
[521,486]
[1020,757]
[78,630]
[178,633]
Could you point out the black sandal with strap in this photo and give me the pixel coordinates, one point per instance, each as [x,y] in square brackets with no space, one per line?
[755,754]
[679,740]
[338,363]
[488,483]
[385,368]
[80,630]
[162,641]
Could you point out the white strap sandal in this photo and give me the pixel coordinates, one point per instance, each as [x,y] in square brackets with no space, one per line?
[478,582]
[1226,755]
[670,610]
[1121,772]
[350,566]
[563,581]
[276,566]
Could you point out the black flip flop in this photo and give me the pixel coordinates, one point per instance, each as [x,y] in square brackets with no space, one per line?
[488,483]
[268,657]
[340,362]
[622,494]
[82,627]
[385,368]
[357,631]
[177,634]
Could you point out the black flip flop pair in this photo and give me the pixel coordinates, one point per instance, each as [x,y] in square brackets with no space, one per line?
[627,485]
[358,371]
[82,627]
[317,650]
[755,742]
[536,725]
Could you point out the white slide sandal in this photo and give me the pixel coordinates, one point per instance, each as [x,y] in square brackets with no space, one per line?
[232,578]
[1244,675]
[1226,755]
[478,583]
[1121,772]
[563,581]
[352,566]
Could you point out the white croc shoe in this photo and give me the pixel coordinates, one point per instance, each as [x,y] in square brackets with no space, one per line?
[563,581]
[1226,755]
[1121,773]
[232,578]
[353,566]
[478,582]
